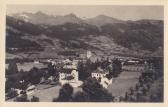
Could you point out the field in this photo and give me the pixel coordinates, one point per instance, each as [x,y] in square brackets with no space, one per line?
[47,94]
[118,88]
[122,83]
[28,66]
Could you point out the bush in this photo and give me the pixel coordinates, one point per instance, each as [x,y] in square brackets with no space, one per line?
[12,94]
[65,94]
[95,91]
[34,99]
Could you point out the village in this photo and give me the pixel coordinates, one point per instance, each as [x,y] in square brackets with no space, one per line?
[119,77]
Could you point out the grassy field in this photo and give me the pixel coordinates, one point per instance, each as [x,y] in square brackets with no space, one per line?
[119,87]
[28,66]
[47,94]
[122,83]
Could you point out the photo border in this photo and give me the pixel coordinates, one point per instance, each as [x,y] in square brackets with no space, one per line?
[4,3]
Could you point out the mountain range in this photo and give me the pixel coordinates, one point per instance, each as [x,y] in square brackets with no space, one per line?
[42,18]
[101,34]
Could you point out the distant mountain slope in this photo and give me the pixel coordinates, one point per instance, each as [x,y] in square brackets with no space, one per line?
[70,31]
[102,20]
[113,36]
[42,18]
[25,27]
[15,42]
[143,34]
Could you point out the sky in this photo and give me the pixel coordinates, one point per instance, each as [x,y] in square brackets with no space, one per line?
[87,11]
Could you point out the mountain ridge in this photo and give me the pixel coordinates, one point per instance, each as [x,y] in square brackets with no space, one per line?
[43,18]
[135,35]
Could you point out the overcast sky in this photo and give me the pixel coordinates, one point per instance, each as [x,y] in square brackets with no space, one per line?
[120,12]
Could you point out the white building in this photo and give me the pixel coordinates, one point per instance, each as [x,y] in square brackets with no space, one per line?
[105,82]
[31,89]
[100,75]
[88,54]
[17,90]
[36,62]
[69,74]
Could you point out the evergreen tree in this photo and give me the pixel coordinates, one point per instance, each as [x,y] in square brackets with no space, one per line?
[34,76]
[81,97]
[51,69]
[65,94]
[34,99]
[95,92]
[12,68]
[22,98]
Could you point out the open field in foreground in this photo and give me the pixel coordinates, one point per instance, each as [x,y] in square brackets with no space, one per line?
[47,94]
[119,87]
[123,82]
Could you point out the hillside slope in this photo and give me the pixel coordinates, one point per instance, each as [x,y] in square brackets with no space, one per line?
[131,37]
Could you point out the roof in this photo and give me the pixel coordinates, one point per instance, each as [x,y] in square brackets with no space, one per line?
[100,70]
[67,61]
[70,67]
[31,87]
[66,71]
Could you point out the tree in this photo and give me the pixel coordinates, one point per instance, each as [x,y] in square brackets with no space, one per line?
[65,94]
[22,98]
[23,85]
[84,72]
[8,85]
[11,93]
[95,91]
[12,68]
[34,99]
[34,76]
[51,70]
[117,67]
[81,97]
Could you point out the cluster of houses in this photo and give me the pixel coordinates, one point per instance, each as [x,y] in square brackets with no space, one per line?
[69,74]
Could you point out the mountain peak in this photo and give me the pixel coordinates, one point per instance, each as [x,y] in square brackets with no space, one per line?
[39,13]
[103,19]
[102,16]
[71,15]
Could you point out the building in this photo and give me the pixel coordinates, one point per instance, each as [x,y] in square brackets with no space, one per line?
[105,82]
[69,74]
[88,54]
[99,73]
[31,89]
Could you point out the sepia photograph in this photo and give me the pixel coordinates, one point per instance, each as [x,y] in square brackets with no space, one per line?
[84,53]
